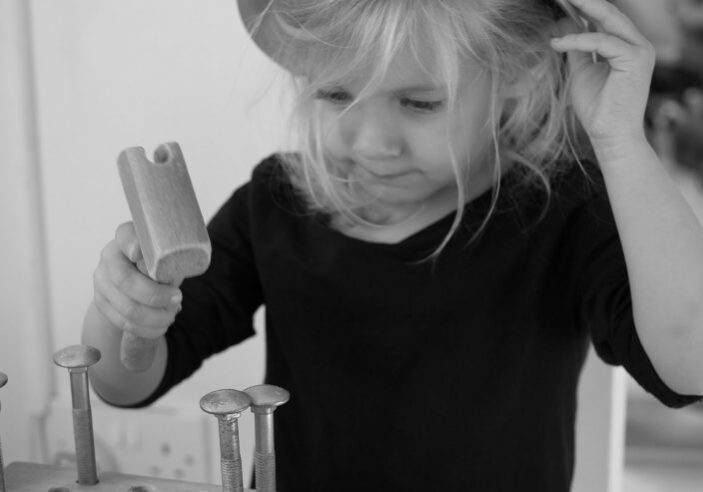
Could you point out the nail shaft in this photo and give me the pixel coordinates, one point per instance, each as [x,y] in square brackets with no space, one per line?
[230,455]
[77,359]
[83,428]
[2,471]
[264,454]
[265,398]
[264,432]
[3,381]
[227,405]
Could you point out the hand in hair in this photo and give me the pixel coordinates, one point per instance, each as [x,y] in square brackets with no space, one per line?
[609,97]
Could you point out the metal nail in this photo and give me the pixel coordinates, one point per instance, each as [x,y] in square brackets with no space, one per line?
[3,382]
[227,405]
[265,398]
[77,359]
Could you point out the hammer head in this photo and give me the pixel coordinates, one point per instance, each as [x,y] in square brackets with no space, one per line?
[167,219]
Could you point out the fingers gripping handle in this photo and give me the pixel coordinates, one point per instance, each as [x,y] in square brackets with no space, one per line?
[169,226]
[137,353]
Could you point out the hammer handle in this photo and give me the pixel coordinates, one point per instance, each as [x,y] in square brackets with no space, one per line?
[169,226]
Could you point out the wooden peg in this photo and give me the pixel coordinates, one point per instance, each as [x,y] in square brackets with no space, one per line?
[169,225]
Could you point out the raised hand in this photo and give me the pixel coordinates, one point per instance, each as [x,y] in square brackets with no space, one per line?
[608,96]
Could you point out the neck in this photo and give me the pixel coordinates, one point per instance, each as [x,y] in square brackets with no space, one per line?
[391,223]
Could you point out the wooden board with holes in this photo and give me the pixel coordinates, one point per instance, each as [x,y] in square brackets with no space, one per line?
[32,477]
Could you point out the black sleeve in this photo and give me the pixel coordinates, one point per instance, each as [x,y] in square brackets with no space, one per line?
[218,306]
[602,295]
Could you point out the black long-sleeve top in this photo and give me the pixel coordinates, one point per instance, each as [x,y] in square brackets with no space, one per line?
[459,374]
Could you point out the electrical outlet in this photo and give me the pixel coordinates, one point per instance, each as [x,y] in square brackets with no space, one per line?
[159,441]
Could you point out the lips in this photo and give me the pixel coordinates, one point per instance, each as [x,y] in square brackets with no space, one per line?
[383,174]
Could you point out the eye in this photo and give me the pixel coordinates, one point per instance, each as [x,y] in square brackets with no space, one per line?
[338,96]
[421,106]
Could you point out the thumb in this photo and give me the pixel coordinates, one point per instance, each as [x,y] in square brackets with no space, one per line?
[141,266]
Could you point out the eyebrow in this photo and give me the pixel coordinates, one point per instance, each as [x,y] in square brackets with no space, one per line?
[419,88]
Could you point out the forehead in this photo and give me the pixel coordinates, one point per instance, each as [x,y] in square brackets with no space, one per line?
[416,69]
[409,68]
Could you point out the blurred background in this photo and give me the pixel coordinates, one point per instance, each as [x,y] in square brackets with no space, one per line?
[664,447]
[80,80]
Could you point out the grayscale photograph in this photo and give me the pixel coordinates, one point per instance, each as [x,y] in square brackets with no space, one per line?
[351,245]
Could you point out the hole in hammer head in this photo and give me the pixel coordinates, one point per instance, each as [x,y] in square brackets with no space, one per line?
[162,155]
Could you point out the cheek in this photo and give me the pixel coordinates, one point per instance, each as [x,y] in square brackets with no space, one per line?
[433,144]
[471,134]
[331,133]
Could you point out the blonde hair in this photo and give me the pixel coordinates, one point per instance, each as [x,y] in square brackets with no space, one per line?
[508,38]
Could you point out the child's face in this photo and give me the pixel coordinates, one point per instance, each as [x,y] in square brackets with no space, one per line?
[397,142]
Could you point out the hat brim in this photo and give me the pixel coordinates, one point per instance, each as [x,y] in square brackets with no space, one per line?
[263,29]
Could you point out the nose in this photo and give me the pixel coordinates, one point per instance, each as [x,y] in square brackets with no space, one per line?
[373,132]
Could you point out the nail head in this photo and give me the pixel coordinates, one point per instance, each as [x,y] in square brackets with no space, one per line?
[225,402]
[76,356]
[267,396]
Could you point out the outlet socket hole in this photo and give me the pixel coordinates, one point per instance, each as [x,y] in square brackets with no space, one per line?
[162,155]
[165,449]
[141,488]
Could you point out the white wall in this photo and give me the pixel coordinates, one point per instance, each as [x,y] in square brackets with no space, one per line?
[111,75]
[24,303]
[600,427]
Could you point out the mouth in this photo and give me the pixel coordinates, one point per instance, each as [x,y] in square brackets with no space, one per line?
[384,175]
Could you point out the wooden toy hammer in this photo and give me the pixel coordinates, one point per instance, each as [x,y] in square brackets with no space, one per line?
[169,226]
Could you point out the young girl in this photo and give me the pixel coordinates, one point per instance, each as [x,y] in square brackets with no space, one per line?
[436,257]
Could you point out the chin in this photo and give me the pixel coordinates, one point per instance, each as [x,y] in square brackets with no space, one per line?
[398,196]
